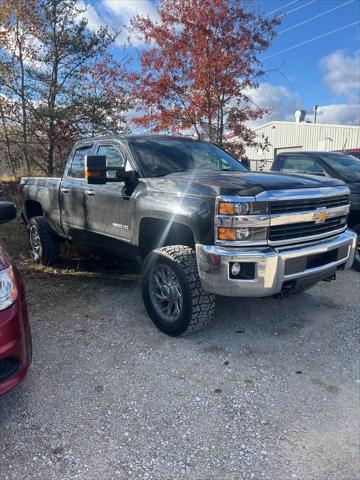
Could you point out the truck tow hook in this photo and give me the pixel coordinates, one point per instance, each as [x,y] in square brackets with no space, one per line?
[331,278]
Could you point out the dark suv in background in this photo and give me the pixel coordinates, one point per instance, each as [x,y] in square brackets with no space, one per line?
[339,165]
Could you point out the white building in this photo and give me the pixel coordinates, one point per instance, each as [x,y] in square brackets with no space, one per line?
[300,135]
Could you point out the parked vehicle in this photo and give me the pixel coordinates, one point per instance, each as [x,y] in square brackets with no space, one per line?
[15,336]
[198,220]
[355,152]
[328,164]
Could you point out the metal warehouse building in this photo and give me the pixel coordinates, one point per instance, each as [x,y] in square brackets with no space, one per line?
[300,135]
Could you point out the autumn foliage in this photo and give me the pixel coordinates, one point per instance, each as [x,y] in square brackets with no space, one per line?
[201,63]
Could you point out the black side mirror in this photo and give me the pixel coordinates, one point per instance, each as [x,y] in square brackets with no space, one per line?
[95,169]
[7,212]
[95,172]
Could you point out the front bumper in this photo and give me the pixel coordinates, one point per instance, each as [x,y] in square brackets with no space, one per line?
[276,269]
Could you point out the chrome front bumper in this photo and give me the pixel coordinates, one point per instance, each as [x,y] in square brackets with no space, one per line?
[271,268]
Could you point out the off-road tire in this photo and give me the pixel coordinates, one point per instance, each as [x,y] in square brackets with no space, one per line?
[356,263]
[49,245]
[197,306]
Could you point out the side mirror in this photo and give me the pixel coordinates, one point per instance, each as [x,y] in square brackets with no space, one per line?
[95,169]
[7,212]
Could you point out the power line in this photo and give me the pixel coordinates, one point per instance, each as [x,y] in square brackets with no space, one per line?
[284,6]
[301,6]
[315,16]
[311,40]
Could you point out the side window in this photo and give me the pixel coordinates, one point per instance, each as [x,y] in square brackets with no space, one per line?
[77,168]
[114,157]
[302,164]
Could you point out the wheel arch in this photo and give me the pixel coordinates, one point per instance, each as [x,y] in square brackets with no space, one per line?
[157,233]
[33,209]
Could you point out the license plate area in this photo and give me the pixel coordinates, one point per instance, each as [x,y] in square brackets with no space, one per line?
[308,262]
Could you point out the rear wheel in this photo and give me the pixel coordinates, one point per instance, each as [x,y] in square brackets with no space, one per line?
[172,292]
[357,252]
[44,244]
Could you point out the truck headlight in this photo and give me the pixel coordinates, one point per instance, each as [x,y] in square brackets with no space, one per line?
[242,208]
[8,290]
[242,233]
[241,220]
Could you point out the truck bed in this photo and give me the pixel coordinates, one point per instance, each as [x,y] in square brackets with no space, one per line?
[42,193]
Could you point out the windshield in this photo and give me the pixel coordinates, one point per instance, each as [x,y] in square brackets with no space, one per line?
[161,156]
[347,166]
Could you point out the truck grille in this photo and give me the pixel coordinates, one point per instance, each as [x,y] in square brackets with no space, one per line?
[303,205]
[305,229]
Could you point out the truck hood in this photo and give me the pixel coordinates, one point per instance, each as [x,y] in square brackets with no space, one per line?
[244,183]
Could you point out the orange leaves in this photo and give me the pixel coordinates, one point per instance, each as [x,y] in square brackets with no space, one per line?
[201,59]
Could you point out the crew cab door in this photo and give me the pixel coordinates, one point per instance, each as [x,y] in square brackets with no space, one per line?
[300,164]
[72,191]
[108,207]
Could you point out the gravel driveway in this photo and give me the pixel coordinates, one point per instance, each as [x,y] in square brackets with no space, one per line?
[269,391]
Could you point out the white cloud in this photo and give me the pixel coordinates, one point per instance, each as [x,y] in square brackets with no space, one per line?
[93,18]
[117,15]
[342,74]
[338,114]
[281,102]
[127,9]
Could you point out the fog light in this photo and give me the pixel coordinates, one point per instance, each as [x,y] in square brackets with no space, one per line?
[235,269]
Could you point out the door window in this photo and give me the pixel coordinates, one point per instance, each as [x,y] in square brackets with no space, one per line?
[77,168]
[114,158]
[302,164]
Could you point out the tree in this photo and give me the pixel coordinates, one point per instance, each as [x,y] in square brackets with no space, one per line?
[54,83]
[100,101]
[17,23]
[201,63]
[66,45]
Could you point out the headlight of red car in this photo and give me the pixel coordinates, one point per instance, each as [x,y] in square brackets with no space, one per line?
[8,290]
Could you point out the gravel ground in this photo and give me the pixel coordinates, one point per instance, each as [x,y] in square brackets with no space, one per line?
[269,391]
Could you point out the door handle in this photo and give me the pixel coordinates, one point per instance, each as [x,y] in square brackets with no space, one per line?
[91,193]
[65,190]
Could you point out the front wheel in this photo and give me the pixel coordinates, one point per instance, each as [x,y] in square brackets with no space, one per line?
[44,244]
[172,292]
[356,264]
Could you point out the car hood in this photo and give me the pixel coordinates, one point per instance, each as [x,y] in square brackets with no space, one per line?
[4,258]
[242,183]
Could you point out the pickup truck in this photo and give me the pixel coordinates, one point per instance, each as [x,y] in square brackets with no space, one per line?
[345,167]
[198,221]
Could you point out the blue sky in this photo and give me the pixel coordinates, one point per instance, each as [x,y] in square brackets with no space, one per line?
[324,71]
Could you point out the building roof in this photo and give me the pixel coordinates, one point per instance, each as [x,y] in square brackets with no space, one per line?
[278,122]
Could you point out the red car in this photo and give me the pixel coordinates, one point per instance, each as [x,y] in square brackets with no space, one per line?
[15,336]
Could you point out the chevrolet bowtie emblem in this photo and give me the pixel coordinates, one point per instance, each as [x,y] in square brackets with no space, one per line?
[320,216]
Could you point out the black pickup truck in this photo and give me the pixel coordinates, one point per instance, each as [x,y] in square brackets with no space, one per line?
[199,222]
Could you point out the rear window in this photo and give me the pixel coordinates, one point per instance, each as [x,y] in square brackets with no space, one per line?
[302,164]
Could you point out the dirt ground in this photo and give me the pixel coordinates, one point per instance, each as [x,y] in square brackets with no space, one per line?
[270,390]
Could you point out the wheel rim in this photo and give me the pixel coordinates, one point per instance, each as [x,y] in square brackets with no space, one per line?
[35,242]
[165,293]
